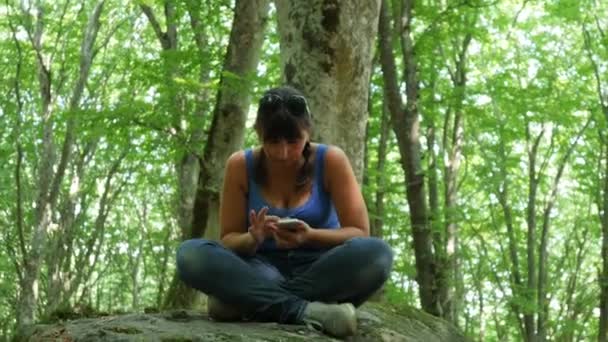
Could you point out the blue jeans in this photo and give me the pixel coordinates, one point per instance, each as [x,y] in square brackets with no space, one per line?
[277,285]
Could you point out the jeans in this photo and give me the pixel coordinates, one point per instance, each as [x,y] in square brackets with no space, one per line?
[277,285]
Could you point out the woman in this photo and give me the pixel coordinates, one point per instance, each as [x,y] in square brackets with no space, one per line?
[315,273]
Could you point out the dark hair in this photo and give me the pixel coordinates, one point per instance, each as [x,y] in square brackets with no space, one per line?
[283,113]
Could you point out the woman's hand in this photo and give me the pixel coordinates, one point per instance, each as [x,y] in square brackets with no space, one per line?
[291,238]
[262,225]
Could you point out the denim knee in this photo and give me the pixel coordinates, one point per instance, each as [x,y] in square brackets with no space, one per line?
[194,259]
[375,255]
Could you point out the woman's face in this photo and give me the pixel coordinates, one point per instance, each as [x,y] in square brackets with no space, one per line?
[287,151]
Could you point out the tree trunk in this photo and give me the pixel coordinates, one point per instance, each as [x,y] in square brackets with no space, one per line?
[503,194]
[603,201]
[603,328]
[57,283]
[49,181]
[405,123]
[451,283]
[326,52]
[28,297]
[381,173]
[533,181]
[542,300]
[227,129]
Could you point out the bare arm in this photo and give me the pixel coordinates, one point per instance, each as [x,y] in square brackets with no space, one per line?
[233,207]
[346,195]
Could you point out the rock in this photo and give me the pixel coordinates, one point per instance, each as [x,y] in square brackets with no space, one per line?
[377,322]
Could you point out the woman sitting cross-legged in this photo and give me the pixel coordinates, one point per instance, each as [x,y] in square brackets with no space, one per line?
[315,270]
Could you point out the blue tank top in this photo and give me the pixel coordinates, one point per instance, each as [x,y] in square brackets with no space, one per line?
[318,211]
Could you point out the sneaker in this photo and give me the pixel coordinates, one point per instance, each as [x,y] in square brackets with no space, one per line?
[338,320]
[221,311]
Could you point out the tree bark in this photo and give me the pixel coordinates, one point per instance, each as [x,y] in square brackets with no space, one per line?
[188,166]
[405,124]
[603,328]
[451,283]
[227,129]
[326,52]
[543,303]
[28,297]
[49,181]
[381,173]
[503,194]
[533,181]
[603,201]
[56,283]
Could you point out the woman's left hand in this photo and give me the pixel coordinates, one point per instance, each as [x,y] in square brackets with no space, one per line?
[292,238]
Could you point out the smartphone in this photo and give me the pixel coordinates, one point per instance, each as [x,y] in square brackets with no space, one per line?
[288,223]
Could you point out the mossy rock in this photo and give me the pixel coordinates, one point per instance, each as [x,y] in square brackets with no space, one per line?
[377,322]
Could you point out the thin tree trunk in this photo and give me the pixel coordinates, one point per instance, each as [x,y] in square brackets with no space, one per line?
[434,209]
[187,167]
[603,328]
[405,123]
[435,221]
[531,285]
[366,178]
[49,183]
[326,52]
[19,215]
[136,258]
[603,201]
[227,130]
[543,304]
[451,271]
[57,297]
[26,309]
[504,199]
[381,172]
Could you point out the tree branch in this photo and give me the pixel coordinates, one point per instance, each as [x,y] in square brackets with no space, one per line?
[155,25]
[596,72]
[86,59]
[59,31]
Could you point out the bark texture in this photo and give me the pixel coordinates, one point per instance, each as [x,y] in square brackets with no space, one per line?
[602,202]
[51,175]
[406,125]
[226,133]
[326,52]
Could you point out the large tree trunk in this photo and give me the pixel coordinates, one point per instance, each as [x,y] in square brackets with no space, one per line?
[227,129]
[326,52]
[406,123]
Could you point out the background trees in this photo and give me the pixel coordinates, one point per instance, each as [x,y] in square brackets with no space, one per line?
[485,150]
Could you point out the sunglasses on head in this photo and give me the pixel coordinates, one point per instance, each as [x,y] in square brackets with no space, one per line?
[295,104]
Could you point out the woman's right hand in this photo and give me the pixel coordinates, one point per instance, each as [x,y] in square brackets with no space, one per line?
[262,225]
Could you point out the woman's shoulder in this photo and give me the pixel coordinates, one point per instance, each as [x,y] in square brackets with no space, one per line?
[236,168]
[236,159]
[335,163]
[333,154]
